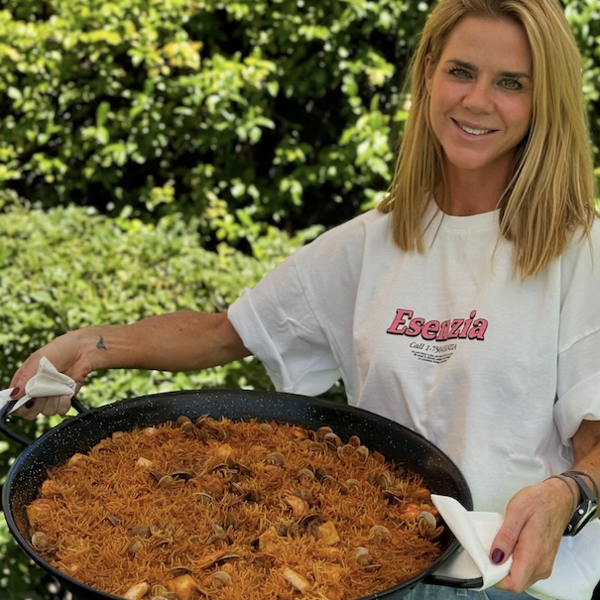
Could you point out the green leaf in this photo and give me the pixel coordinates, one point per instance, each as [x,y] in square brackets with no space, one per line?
[101,113]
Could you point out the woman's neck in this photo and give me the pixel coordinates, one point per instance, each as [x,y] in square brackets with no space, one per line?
[468,193]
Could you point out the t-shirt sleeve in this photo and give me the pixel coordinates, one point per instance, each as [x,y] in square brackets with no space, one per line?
[578,385]
[299,319]
[277,324]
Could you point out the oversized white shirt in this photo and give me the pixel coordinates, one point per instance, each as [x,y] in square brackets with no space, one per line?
[495,371]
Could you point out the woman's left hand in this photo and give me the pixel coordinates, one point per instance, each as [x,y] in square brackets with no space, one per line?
[533,526]
[536,517]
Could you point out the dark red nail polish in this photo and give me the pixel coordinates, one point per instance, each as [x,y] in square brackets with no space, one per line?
[497,556]
[15,392]
[32,402]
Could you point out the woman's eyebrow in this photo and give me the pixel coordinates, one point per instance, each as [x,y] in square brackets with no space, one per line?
[471,67]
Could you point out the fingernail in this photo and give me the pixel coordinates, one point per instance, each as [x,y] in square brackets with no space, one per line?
[15,392]
[32,402]
[497,556]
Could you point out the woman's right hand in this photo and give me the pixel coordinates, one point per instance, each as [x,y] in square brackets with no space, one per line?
[65,353]
[182,341]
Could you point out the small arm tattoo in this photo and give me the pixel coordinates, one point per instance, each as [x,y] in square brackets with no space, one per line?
[100,345]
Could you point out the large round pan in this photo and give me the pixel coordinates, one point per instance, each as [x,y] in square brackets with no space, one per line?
[81,433]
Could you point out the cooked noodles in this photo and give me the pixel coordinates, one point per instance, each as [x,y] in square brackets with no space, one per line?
[234,511]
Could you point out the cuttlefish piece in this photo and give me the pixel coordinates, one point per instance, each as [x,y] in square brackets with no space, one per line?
[184,586]
[327,534]
[410,511]
[334,592]
[267,542]
[224,451]
[296,580]
[40,511]
[49,488]
[299,432]
[299,506]
[137,592]
[210,483]
[77,458]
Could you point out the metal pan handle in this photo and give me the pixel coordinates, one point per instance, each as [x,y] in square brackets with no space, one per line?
[446,581]
[17,437]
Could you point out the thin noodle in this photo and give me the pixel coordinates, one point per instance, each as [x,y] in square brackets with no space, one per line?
[173,505]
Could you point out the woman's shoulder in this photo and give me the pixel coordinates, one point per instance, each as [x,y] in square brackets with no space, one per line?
[582,243]
[356,231]
[346,247]
[580,263]
[370,219]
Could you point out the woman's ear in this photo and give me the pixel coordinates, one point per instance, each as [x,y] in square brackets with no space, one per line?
[428,73]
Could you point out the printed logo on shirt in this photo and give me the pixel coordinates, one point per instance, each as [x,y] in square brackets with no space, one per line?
[405,323]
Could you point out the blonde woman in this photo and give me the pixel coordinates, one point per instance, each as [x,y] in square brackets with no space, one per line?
[467,308]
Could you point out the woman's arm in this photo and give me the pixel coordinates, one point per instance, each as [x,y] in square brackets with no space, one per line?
[536,517]
[183,341]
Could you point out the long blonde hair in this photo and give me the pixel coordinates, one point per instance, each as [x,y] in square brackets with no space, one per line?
[550,194]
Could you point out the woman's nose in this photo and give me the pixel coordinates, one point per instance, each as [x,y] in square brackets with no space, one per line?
[479,97]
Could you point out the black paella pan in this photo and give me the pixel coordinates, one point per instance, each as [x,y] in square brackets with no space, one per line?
[81,433]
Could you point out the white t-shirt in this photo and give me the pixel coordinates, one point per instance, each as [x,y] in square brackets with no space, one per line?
[496,372]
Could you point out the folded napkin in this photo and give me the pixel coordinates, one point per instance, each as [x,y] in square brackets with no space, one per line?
[575,572]
[46,382]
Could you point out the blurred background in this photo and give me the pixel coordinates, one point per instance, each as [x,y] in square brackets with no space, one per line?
[160,155]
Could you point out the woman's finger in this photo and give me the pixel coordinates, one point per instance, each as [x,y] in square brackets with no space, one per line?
[64,404]
[30,410]
[50,406]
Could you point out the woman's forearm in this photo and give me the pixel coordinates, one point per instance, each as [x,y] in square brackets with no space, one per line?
[183,341]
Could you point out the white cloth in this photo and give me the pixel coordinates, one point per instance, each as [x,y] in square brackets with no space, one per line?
[46,382]
[492,370]
[476,532]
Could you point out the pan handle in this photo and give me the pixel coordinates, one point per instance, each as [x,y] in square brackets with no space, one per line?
[17,437]
[452,582]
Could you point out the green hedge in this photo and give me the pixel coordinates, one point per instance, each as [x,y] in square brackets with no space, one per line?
[286,109]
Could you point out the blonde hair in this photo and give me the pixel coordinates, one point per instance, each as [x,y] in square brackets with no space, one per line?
[550,194]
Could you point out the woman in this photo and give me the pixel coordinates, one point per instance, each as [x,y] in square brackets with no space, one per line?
[466,307]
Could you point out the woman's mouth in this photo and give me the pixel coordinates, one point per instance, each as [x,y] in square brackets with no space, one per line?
[474,131]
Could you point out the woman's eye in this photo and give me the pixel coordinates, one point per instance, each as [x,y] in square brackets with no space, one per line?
[459,72]
[511,84]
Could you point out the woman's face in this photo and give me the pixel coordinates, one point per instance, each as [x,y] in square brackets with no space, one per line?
[481,95]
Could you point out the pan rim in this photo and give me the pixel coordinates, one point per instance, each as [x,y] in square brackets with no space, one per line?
[128,404]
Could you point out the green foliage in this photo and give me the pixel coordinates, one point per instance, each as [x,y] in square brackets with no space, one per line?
[67,268]
[584,18]
[273,110]
[284,109]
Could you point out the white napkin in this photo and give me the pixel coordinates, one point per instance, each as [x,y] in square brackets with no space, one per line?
[574,575]
[46,382]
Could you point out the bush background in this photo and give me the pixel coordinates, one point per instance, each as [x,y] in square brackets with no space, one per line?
[161,155]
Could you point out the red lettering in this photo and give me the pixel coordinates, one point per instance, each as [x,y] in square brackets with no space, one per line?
[395,327]
[444,328]
[478,330]
[414,327]
[471,328]
[465,329]
[456,325]
[430,329]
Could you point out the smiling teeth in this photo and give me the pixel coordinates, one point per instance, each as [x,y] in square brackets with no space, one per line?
[474,131]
